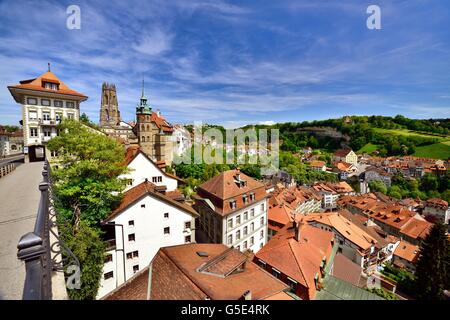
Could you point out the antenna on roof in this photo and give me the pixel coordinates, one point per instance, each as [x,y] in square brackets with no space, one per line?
[48,66]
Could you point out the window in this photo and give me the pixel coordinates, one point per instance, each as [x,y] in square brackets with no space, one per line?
[230,239]
[51,86]
[230,223]
[32,115]
[136,254]
[238,248]
[252,196]
[130,255]
[131,237]
[143,139]
[167,230]
[187,239]
[233,204]
[70,104]
[33,132]
[261,234]
[166,215]
[262,207]
[47,132]
[238,235]
[252,241]
[58,117]
[252,227]
[58,103]
[275,273]
[262,220]
[108,275]
[108,258]
[245,198]
[292,284]
[53,153]
[45,102]
[252,212]
[262,264]
[131,223]
[32,101]
[238,220]
[46,116]
[70,115]
[245,215]
[245,230]
[187,225]
[245,245]
[143,205]
[135,268]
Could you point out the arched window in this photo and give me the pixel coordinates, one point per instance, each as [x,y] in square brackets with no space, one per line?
[148,127]
[142,127]
[143,139]
[148,138]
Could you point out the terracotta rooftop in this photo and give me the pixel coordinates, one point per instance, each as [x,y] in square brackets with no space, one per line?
[333,187]
[317,163]
[437,202]
[347,270]
[280,214]
[37,84]
[134,194]
[407,251]
[342,152]
[225,187]
[134,289]
[299,260]
[214,271]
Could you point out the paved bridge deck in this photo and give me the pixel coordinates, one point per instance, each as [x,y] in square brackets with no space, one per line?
[19,200]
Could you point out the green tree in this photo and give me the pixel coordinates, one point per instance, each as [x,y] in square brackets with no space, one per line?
[433,266]
[429,182]
[377,185]
[86,180]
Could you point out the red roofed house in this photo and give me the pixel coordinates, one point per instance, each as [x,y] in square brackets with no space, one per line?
[201,272]
[45,101]
[405,256]
[233,211]
[318,165]
[147,219]
[298,255]
[345,155]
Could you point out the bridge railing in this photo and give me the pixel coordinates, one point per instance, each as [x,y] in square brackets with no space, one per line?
[35,250]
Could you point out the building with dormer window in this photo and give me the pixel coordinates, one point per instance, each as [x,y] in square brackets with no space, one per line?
[233,211]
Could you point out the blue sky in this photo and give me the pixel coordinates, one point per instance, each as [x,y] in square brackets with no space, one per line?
[233,63]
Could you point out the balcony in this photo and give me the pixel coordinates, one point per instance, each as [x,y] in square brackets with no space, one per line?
[110,244]
[49,122]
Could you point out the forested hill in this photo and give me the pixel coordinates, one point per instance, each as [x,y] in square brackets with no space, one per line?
[384,135]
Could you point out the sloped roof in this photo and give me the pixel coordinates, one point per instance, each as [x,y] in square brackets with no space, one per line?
[37,85]
[407,251]
[147,188]
[342,152]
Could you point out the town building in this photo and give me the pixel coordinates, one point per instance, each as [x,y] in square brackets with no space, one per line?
[11,143]
[182,139]
[279,215]
[154,133]
[345,155]
[202,272]
[233,211]
[298,255]
[45,100]
[318,165]
[373,174]
[353,242]
[330,192]
[301,200]
[147,219]
[142,168]
[437,208]
[406,256]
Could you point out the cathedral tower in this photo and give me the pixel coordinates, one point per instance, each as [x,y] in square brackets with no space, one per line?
[109,110]
[143,126]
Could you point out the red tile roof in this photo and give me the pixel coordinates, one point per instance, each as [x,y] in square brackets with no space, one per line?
[37,84]
[407,251]
[214,271]
[143,189]
[342,152]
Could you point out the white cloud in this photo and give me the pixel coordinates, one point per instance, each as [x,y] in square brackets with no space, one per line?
[154,42]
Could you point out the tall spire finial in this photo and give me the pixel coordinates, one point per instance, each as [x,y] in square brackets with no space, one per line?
[143,85]
[49,66]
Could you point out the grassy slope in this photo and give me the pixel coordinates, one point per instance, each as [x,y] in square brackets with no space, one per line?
[435,151]
[368,148]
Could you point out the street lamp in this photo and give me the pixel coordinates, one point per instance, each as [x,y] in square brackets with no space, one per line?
[109,223]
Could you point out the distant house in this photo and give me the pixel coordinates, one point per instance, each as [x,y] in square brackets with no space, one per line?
[330,192]
[142,168]
[298,255]
[346,155]
[437,208]
[301,200]
[202,272]
[405,256]
[280,177]
[374,174]
[318,165]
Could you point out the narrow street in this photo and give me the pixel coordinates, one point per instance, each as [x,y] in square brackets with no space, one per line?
[19,200]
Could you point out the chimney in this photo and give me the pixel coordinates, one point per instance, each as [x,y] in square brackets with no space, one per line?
[297,229]
[238,173]
[247,295]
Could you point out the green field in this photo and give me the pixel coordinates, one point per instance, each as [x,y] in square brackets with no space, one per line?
[405,132]
[436,151]
[368,148]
